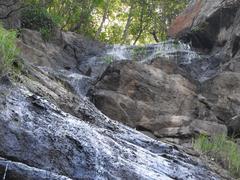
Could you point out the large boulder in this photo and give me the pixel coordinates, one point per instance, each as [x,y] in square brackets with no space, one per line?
[152,98]
[224,93]
[67,50]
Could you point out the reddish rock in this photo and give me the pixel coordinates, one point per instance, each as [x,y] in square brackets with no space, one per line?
[185,20]
[209,24]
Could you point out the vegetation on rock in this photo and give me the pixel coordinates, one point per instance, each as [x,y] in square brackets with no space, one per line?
[38,18]
[221,149]
[108,59]
[8,49]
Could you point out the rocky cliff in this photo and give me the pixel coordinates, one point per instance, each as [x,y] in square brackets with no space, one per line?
[215,29]
[72,115]
[50,130]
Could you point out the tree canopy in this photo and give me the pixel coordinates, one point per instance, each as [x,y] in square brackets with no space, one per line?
[114,21]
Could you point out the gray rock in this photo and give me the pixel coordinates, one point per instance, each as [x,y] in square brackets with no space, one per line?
[48,125]
[234,126]
[10,13]
[214,28]
[17,171]
[36,133]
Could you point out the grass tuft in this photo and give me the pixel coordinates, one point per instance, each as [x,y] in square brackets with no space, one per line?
[8,49]
[222,150]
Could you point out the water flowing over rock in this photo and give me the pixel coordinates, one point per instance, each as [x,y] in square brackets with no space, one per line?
[63,118]
[148,52]
[35,132]
[50,130]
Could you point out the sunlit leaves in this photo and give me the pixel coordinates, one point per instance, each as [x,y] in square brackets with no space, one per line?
[115,21]
[8,48]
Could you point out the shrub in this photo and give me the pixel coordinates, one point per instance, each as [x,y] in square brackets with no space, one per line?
[108,59]
[8,48]
[37,18]
[222,149]
[138,53]
[176,44]
[45,33]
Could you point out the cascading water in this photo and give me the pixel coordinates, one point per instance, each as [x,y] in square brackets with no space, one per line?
[148,52]
[199,67]
[194,65]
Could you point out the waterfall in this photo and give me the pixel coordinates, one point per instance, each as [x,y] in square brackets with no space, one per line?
[194,65]
[170,48]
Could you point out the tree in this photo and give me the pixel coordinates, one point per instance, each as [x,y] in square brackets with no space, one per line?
[115,21]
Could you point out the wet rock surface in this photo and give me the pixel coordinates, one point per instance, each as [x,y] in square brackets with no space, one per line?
[16,170]
[40,141]
[51,130]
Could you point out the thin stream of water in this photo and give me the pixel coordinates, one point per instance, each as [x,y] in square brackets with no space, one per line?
[148,52]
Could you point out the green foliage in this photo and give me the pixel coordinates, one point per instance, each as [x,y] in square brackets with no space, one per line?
[45,33]
[176,44]
[108,59]
[222,149]
[37,18]
[8,49]
[139,53]
[111,21]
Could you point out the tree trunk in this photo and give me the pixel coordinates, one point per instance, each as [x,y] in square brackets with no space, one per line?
[84,16]
[105,14]
[129,20]
[141,26]
[139,35]
[154,34]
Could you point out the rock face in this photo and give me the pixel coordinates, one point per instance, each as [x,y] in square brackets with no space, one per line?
[49,130]
[182,99]
[67,51]
[157,96]
[9,13]
[184,22]
[216,28]
[58,118]
[167,106]
[209,24]
[49,133]
[223,92]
